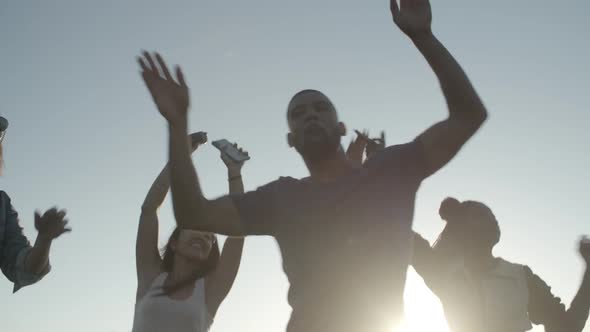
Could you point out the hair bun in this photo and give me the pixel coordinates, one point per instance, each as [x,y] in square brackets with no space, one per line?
[449,209]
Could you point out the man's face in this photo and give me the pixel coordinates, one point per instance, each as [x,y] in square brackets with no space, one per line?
[313,124]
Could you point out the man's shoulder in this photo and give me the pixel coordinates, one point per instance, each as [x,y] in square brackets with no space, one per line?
[281,184]
[285,181]
[505,262]
[510,269]
[403,156]
[402,150]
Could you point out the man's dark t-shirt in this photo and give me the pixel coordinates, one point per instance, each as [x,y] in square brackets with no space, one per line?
[345,244]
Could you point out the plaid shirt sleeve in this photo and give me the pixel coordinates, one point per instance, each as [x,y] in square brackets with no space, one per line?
[15,248]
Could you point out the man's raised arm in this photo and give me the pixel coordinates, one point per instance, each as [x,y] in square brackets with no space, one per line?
[466,111]
[191,209]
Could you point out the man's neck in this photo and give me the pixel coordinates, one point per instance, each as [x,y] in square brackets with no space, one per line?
[329,168]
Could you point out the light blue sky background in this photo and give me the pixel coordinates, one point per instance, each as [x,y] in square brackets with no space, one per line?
[85,135]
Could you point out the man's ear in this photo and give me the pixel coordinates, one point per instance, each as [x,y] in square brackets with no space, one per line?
[290,140]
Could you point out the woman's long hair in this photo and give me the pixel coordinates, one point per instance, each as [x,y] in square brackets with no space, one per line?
[201,270]
[457,214]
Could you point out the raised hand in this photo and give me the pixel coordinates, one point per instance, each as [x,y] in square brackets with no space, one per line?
[356,148]
[585,249]
[51,224]
[234,168]
[171,97]
[375,144]
[413,17]
[198,139]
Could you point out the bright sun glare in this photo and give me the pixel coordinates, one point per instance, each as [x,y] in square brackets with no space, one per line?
[423,310]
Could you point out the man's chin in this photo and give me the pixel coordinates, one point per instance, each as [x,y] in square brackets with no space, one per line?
[313,156]
[318,152]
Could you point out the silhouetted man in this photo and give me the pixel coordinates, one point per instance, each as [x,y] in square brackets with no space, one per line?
[345,231]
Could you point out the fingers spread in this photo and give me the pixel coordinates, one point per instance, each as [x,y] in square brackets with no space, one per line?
[163,67]
[142,64]
[152,64]
[180,77]
[51,213]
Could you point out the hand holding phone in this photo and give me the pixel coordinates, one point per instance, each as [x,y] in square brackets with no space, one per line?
[231,151]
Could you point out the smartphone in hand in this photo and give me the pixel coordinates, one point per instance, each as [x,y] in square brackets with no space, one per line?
[230,150]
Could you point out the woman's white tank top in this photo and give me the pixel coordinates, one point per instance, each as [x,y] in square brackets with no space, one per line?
[155,313]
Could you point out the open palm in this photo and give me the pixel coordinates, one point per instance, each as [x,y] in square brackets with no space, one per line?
[52,223]
[171,97]
[413,17]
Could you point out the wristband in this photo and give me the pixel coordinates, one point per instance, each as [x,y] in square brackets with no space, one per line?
[232,178]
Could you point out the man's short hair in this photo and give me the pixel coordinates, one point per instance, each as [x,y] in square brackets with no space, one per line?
[307,91]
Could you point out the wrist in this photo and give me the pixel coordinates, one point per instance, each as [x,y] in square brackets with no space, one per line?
[43,240]
[179,126]
[422,37]
[234,172]
[234,177]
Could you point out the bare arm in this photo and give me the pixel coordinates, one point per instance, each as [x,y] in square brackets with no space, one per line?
[191,209]
[466,110]
[147,258]
[220,282]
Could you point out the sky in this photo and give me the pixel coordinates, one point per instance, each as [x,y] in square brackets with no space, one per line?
[85,135]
